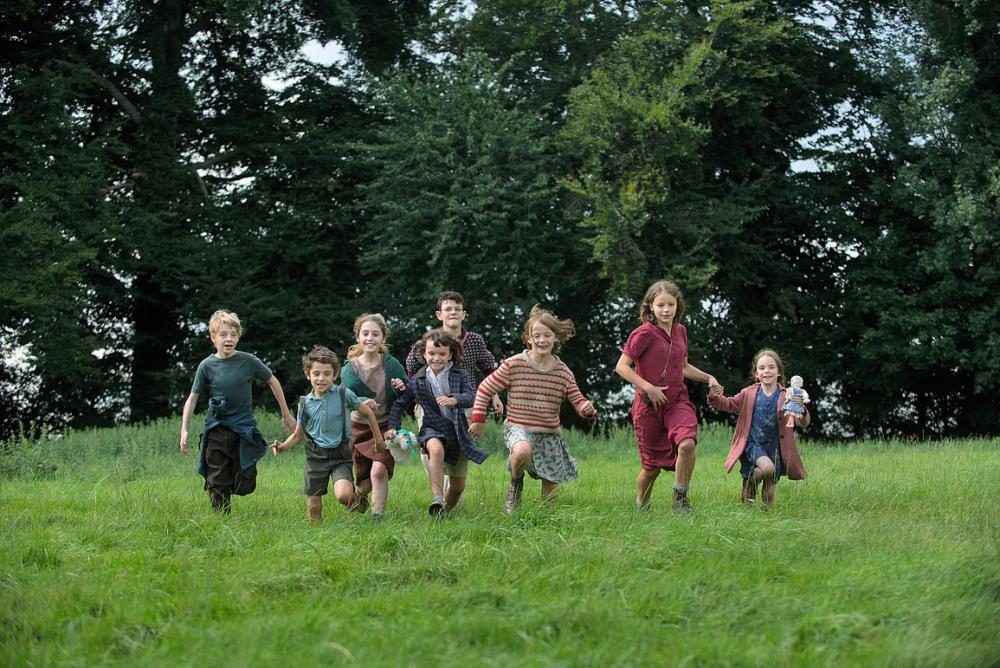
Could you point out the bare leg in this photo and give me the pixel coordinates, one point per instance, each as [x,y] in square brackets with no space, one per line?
[520,457]
[644,486]
[455,490]
[344,491]
[550,490]
[685,461]
[380,487]
[314,504]
[435,466]
[764,470]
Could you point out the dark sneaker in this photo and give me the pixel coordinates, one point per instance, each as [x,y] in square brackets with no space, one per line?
[513,495]
[361,505]
[748,491]
[681,503]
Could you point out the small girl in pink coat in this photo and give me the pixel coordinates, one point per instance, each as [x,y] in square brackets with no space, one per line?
[763,443]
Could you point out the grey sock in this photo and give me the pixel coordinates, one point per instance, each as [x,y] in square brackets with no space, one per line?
[439,499]
[681,488]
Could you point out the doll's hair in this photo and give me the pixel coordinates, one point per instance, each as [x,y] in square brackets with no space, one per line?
[224,318]
[563,329]
[440,339]
[777,360]
[321,355]
[357,349]
[669,287]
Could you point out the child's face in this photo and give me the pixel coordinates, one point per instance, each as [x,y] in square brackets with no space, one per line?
[766,371]
[370,336]
[436,356]
[543,339]
[225,340]
[451,314]
[321,377]
[664,307]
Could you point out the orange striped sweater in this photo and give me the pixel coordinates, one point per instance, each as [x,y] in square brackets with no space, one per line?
[533,395]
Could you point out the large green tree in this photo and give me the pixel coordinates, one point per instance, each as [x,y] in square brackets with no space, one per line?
[689,136]
[920,306]
[174,179]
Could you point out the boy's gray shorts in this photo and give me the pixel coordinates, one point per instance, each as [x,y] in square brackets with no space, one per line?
[322,464]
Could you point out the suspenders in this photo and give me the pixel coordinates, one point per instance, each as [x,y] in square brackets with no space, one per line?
[343,415]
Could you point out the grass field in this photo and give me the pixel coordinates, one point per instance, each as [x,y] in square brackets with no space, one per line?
[887,555]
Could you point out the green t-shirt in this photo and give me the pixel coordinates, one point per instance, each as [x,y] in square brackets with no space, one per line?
[230,378]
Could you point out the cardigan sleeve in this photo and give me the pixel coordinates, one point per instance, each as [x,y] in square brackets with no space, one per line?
[731,404]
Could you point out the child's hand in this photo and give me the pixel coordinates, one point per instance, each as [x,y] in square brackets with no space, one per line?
[289,423]
[184,441]
[497,406]
[398,384]
[588,410]
[656,395]
[389,434]
[476,429]
[715,391]
[447,401]
[276,448]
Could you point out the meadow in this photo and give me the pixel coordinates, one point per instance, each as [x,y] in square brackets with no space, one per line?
[887,555]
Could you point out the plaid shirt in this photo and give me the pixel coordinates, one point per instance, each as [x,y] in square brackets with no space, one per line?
[477,361]
[436,425]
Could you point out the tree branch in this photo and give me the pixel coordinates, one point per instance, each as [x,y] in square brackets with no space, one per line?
[129,108]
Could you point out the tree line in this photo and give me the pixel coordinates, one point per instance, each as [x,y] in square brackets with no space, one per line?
[822,178]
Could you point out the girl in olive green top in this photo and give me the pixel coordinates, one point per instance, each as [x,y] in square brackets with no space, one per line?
[372,373]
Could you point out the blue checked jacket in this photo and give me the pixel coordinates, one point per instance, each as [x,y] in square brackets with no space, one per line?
[436,425]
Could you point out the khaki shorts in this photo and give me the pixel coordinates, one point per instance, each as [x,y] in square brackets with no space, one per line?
[459,469]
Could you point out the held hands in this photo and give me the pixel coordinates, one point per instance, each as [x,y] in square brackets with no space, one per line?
[476,429]
[714,388]
[276,448]
[184,441]
[289,423]
[447,401]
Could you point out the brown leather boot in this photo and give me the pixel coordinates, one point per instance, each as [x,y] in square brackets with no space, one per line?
[681,503]
[748,491]
[513,495]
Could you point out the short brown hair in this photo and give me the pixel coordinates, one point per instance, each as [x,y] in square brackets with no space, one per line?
[440,338]
[563,329]
[777,361]
[357,349]
[646,307]
[321,355]
[450,295]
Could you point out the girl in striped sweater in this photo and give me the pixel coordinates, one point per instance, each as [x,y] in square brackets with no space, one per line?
[536,382]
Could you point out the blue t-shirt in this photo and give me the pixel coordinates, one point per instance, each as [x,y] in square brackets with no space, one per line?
[323,418]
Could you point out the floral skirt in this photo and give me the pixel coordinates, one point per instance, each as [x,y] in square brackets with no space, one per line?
[550,458]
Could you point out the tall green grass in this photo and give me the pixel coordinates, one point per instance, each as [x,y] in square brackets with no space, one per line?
[886,555]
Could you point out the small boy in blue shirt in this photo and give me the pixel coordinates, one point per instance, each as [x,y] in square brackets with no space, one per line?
[231,445]
[324,418]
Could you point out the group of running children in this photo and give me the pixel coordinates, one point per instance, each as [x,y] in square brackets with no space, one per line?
[346,425]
